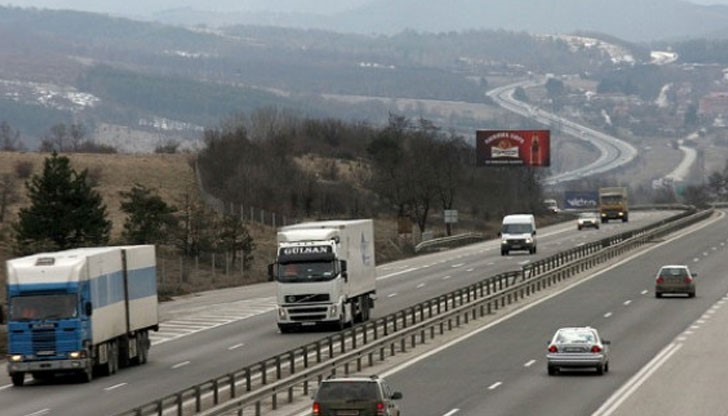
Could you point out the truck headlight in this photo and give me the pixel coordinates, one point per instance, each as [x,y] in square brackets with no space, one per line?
[282,313]
[15,358]
[333,311]
[504,241]
[529,240]
[74,355]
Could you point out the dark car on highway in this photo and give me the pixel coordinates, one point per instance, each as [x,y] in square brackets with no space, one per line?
[355,396]
[675,279]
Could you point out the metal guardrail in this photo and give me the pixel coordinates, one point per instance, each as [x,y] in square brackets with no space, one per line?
[449,240]
[251,386]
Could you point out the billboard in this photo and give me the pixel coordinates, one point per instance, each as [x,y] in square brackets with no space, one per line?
[513,147]
[581,200]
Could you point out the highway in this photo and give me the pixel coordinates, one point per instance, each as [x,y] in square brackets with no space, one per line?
[208,335]
[614,152]
[501,369]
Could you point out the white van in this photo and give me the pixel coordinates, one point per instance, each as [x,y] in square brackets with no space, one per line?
[518,232]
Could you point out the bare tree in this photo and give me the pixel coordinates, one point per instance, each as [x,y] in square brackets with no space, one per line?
[9,138]
[8,194]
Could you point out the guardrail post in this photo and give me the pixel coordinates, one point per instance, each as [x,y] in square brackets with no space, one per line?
[278,367]
[353,337]
[247,379]
[305,356]
[198,400]
[215,392]
[318,352]
[232,385]
[263,373]
[292,360]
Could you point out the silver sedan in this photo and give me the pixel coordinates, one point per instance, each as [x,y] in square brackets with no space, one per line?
[578,347]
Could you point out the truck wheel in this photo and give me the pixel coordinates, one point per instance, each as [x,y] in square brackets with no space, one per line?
[364,306]
[144,351]
[86,376]
[18,379]
[285,328]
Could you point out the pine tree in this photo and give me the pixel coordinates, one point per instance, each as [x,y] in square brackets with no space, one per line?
[150,220]
[65,211]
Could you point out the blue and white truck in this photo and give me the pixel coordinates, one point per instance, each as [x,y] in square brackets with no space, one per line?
[85,311]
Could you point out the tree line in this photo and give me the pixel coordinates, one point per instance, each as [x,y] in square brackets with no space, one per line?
[66,211]
[407,168]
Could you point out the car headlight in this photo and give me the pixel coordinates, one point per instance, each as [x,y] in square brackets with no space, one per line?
[504,241]
[15,358]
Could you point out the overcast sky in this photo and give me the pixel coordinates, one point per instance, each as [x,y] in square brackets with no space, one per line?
[145,7]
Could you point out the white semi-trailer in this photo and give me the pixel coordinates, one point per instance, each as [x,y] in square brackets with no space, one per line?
[325,273]
[83,311]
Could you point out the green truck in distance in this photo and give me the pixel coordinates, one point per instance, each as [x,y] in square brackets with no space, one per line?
[613,204]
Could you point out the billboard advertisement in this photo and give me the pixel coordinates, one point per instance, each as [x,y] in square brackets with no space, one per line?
[581,200]
[513,147]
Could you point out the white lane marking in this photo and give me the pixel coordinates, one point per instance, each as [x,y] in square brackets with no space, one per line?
[452,412]
[235,347]
[627,302]
[179,365]
[636,381]
[524,262]
[420,286]
[39,412]
[700,321]
[607,315]
[695,260]
[470,269]
[688,332]
[644,292]
[7,386]
[682,338]
[391,295]
[446,277]
[705,316]
[705,254]
[530,363]
[116,386]
[491,263]
[495,385]
[457,265]
[695,327]
[714,248]
[581,244]
[387,276]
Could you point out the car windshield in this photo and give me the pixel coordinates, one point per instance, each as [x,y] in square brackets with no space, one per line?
[314,271]
[587,215]
[42,307]
[516,228]
[576,337]
[345,390]
[673,272]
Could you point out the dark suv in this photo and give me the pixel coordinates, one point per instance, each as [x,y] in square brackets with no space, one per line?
[355,396]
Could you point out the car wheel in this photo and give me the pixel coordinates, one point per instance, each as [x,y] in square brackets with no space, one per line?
[606,367]
[504,252]
[552,370]
[600,369]
[691,294]
[578,227]
[658,294]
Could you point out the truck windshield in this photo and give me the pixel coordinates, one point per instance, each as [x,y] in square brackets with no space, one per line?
[315,271]
[43,307]
[611,199]
[516,229]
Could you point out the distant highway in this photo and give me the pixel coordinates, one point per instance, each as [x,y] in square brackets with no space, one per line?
[614,152]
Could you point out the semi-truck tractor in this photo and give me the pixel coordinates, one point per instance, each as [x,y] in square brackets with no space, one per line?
[325,273]
[85,311]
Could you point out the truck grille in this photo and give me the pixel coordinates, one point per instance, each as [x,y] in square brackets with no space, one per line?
[310,298]
[44,341]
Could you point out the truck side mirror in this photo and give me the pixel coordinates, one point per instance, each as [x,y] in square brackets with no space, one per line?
[271,270]
[534,232]
[88,308]
[499,234]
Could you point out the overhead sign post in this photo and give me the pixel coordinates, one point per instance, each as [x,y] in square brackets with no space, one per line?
[513,148]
